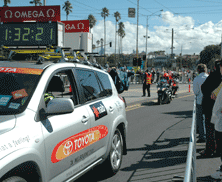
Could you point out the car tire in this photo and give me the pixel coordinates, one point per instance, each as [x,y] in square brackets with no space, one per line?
[114,159]
[14,179]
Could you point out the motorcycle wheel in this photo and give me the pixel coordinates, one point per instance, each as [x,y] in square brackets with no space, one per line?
[160,101]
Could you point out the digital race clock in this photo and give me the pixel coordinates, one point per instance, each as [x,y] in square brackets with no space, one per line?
[32,34]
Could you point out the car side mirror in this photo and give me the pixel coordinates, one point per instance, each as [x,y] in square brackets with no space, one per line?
[59,106]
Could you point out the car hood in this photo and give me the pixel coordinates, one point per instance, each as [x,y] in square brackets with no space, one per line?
[7,122]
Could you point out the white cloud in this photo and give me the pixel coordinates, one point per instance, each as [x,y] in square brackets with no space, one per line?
[191,38]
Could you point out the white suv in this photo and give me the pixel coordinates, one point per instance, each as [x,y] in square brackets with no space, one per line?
[57,121]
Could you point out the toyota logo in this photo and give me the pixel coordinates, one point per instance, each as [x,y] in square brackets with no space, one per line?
[68,148]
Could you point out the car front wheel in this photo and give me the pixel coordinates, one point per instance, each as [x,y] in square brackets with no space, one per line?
[14,179]
[114,160]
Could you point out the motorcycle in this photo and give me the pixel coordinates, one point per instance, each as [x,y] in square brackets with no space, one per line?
[164,92]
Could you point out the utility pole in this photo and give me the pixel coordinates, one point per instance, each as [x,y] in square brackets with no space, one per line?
[104,40]
[172,49]
[221,47]
[44,2]
[146,40]
[137,30]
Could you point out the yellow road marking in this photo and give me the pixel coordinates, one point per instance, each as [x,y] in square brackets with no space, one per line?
[137,106]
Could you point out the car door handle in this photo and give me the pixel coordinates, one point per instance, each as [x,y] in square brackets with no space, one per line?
[85,119]
[111,109]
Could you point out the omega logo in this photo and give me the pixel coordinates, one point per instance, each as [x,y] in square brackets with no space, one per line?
[29,14]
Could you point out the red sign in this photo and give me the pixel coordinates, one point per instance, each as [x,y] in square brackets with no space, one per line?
[25,13]
[76,26]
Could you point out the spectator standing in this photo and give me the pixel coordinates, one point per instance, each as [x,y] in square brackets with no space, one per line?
[153,75]
[217,121]
[157,75]
[198,81]
[209,85]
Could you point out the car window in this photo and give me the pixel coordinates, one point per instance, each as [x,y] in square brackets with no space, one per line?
[16,88]
[104,78]
[89,84]
[61,85]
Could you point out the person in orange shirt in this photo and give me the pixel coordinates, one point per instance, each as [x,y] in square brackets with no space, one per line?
[147,83]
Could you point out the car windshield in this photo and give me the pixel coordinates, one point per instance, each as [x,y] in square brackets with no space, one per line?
[16,88]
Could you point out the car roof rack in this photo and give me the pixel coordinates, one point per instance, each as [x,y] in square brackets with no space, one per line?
[54,52]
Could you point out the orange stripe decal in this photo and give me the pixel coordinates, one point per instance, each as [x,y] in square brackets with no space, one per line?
[77,142]
[32,71]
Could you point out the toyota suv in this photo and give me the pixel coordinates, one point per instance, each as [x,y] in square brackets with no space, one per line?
[58,121]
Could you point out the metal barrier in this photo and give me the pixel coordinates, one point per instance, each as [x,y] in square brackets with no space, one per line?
[190,173]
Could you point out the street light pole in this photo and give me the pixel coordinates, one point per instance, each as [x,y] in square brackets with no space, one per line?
[146,38]
[137,30]
[147,32]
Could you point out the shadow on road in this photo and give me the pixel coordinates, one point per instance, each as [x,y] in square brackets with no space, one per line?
[181,114]
[207,179]
[166,157]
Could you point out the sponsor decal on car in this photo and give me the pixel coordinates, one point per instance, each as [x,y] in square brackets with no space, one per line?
[19,94]
[21,70]
[4,99]
[77,142]
[13,105]
[98,109]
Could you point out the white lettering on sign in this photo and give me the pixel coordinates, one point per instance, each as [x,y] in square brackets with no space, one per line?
[84,140]
[10,14]
[29,14]
[35,15]
[53,13]
[70,28]
[78,25]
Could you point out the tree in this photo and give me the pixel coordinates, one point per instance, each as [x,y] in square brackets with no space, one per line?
[6,2]
[121,33]
[209,52]
[104,14]
[98,42]
[117,17]
[92,21]
[36,2]
[67,8]
[101,40]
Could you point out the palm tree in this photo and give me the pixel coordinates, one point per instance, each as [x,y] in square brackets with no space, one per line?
[92,21]
[36,2]
[67,8]
[121,33]
[98,42]
[117,17]
[104,14]
[6,2]
[101,40]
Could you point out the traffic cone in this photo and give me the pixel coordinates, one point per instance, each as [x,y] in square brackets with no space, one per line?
[189,87]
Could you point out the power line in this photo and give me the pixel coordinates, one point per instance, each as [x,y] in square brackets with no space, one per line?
[209,1]
[162,5]
[179,7]
[86,5]
[140,6]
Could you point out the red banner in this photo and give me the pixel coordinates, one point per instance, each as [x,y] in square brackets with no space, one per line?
[27,13]
[76,26]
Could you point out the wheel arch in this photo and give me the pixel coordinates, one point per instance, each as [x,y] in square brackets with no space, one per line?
[28,170]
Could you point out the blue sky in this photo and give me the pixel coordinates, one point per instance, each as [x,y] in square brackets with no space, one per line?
[196,23]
